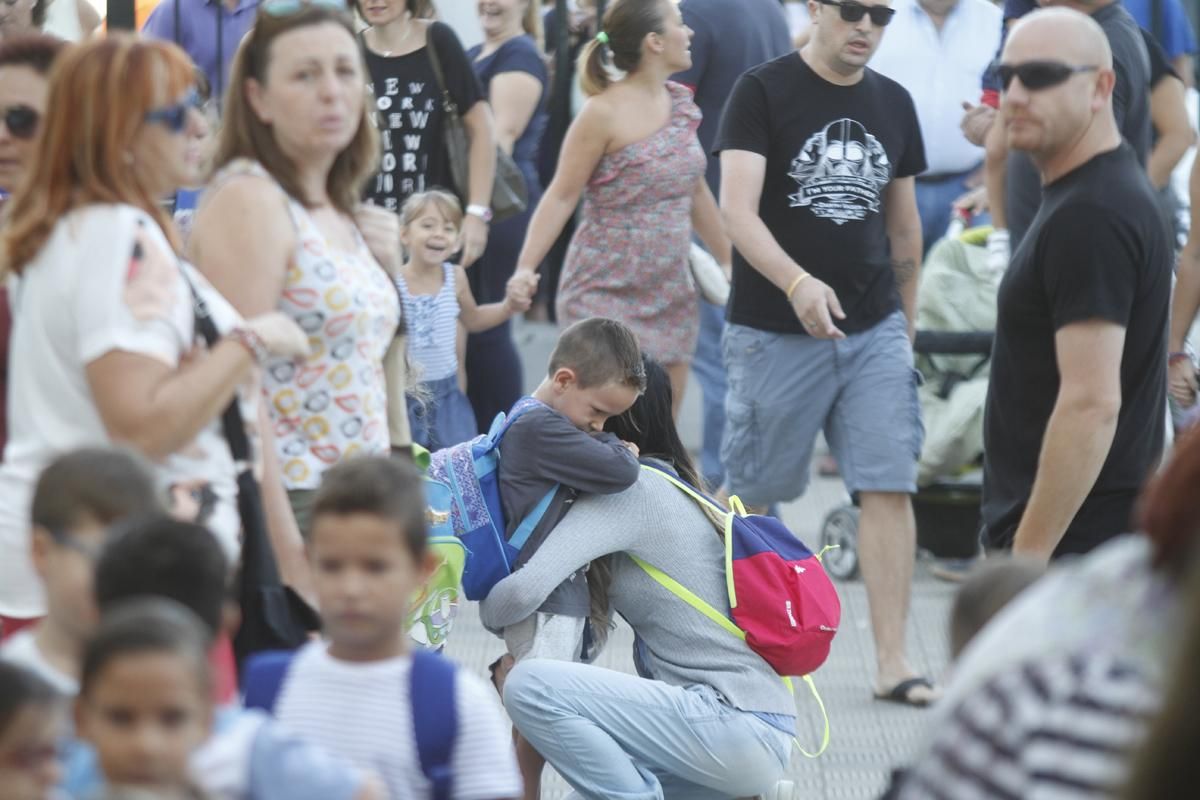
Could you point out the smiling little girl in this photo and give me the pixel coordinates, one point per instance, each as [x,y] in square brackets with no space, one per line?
[436,297]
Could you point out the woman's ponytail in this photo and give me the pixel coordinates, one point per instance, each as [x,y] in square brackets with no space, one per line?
[594,76]
[617,47]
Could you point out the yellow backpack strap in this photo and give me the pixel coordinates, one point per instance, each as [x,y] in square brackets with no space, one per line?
[683,487]
[686,595]
[812,685]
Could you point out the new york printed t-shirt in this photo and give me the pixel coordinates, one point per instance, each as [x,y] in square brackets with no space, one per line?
[831,152]
[409,114]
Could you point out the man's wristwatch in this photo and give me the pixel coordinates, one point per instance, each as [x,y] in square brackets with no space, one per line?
[483,212]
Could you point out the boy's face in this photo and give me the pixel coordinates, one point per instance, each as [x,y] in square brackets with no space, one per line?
[588,409]
[365,577]
[29,767]
[65,561]
[145,714]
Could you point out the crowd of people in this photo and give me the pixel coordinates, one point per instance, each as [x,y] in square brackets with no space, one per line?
[263,257]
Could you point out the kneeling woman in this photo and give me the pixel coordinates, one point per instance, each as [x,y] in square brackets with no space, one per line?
[715,721]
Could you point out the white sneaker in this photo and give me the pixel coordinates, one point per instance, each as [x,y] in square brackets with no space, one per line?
[998,252]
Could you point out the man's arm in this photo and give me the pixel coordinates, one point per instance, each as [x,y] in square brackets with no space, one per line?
[1078,435]
[742,175]
[904,236]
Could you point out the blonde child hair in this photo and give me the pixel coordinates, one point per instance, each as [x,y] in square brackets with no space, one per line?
[445,202]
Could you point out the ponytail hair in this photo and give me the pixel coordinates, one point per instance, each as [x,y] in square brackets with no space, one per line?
[618,47]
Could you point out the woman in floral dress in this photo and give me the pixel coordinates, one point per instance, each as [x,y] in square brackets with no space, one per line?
[633,156]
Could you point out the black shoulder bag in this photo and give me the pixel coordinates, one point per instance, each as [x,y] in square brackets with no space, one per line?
[510,195]
[274,616]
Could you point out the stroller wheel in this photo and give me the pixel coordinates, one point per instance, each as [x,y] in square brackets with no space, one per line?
[840,530]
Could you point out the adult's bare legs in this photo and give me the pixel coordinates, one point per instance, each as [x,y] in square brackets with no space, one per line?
[678,373]
[887,540]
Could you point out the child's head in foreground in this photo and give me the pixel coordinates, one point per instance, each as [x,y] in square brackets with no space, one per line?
[78,499]
[31,717]
[595,372]
[369,552]
[145,697]
[985,594]
[156,555]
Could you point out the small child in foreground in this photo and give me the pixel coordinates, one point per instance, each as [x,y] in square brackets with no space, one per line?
[32,715]
[352,694]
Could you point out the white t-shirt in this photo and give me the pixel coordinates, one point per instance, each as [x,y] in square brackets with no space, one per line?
[105,280]
[361,712]
[21,649]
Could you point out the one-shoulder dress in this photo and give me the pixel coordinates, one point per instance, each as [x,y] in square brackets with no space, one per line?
[628,259]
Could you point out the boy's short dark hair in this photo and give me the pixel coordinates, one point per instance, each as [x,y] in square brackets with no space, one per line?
[93,484]
[37,51]
[600,351]
[159,556]
[985,594]
[21,687]
[383,487]
[146,625]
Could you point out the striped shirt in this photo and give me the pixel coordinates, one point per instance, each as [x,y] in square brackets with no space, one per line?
[1057,729]
[432,321]
[362,713]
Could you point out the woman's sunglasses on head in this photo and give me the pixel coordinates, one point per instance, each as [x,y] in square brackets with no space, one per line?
[285,8]
[21,121]
[853,12]
[1037,75]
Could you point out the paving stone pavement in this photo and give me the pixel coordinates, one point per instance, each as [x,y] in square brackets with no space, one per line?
[868,738]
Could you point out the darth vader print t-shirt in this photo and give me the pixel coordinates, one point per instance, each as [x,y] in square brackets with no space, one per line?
[831,152]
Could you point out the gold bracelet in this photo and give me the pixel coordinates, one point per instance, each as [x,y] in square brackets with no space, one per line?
[795,284]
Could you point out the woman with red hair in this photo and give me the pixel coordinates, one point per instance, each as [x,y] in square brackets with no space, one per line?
[104,344]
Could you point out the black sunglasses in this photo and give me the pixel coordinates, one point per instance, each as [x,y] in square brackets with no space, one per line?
[853,12]
[1037,75]
[21,121]
[174,117]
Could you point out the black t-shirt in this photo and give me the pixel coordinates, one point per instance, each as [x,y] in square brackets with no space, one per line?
[831,152]
[408,110]
[1097,249]
[1131,106]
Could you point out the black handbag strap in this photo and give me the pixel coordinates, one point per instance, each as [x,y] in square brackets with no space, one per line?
[448,103]
[232,423]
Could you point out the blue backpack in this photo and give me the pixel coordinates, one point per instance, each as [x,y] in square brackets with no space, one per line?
[469,479]
[431,692]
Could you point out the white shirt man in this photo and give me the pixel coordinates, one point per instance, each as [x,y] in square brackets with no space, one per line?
[938,50]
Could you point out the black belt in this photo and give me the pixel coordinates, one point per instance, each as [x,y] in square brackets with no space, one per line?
[943,177]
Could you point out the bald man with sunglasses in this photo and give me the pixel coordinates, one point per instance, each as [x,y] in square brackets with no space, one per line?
[1075,415]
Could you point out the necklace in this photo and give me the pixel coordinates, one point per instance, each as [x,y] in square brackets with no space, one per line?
[408,26]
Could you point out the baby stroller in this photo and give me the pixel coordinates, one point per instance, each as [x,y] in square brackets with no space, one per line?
[955,319]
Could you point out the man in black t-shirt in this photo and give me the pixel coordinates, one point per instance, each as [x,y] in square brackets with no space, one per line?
[818,155]
[1131,107]
[1076,404]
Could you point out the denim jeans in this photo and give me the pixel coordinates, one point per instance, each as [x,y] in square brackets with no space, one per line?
[709,369]
[615,736]
[934,201]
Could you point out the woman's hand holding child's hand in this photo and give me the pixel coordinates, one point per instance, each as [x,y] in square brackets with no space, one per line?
[520,290]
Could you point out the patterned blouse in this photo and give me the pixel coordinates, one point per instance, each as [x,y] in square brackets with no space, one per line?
[333,404]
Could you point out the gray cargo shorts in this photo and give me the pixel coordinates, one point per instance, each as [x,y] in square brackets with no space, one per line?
[785,388]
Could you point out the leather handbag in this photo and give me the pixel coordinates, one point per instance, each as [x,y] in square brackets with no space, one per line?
[510,195]
[274,616]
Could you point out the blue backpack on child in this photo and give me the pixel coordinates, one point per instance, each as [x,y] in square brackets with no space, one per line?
[431,692]
[469,473]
